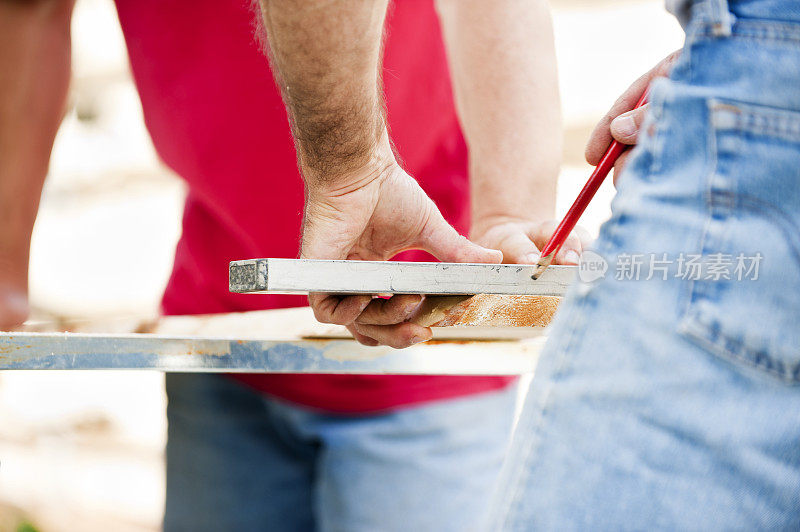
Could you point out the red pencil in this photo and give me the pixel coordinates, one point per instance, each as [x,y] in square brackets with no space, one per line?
[582,201]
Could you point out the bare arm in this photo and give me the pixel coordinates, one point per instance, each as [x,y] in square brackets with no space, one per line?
[326,56]
[360,204]
[34,77]
[503,65]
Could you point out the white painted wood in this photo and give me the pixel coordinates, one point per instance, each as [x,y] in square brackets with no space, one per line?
[289,324]
[291,276]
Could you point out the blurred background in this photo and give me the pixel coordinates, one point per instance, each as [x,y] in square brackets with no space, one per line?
[83,451]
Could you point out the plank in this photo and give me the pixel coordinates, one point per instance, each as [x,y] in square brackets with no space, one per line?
[74,351]
[291,276]
[271,341]
[279,324]
[283,341]
[493,311]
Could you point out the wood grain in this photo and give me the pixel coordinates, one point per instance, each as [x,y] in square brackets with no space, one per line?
[485,310]
[480,317]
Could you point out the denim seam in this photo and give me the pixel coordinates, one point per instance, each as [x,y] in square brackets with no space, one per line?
[656,114]
[686,54]
[757,120]
[754,29]
[691,289]
[523,472]
[719,344]
[766,122]
[726,348]
[708,192]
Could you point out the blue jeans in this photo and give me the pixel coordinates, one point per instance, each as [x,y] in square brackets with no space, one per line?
[240,461]
[666,399]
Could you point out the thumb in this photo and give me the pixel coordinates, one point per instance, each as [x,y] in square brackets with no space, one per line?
[443,242]
[625,127]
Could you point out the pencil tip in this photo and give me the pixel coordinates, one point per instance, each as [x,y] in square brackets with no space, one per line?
[541,266]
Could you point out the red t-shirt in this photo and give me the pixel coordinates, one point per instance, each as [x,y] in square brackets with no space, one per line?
[217,119]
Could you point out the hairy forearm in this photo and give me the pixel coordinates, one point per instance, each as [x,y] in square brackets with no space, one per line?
[503,66]
[326,57]
[34,60]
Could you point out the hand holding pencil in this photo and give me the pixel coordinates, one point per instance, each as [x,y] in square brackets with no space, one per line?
[620,128]
[585,196]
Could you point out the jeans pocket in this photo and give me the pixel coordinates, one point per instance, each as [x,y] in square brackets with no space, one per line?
[743,299]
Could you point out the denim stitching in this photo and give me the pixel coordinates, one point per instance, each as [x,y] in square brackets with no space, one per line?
[692,326]
[523,474]
[765,122]
[692,290]
[758,120]
[684,61]
[756,29]
[656,140]
[698,328]
[727,348]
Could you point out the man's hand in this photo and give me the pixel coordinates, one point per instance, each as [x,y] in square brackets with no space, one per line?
[382,212]
[622,121]
[360,204]
[521,239]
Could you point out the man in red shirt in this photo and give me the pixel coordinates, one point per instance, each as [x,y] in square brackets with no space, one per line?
[316,451]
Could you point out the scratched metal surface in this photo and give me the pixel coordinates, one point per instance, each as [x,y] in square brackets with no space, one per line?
[72,351]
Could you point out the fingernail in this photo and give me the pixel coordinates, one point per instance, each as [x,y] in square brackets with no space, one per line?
[572,257]
[16,302]
[412,306]
[532,258]
[418,338]
[624,126]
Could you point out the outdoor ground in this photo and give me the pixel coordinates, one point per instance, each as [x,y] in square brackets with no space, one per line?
[83,451]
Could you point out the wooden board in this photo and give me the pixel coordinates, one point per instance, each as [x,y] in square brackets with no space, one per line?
[77,351]
[493,311]
[273,341]
[298,323]
[289,276]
